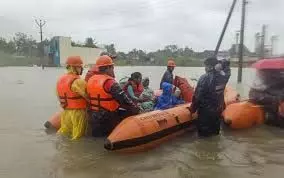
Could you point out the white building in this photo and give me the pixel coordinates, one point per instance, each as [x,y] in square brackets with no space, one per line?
[61,48]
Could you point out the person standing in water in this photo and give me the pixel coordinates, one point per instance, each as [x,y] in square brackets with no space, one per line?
[208,98]
[72,97]
[168,76]
[106,99]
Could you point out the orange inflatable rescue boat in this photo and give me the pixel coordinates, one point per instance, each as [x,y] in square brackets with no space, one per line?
[54,121]
[243,115]
[145,131]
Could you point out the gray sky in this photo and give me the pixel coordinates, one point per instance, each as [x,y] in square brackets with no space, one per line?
[143,24]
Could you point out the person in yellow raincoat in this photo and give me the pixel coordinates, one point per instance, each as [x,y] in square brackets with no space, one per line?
[71,92]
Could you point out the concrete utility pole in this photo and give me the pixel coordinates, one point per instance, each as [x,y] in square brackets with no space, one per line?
[40,24]
[241,48]
[262,44]
[225,27]
[237,42]
[257,44]
[274,40]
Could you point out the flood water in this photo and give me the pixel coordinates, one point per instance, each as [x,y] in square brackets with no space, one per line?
[27,100]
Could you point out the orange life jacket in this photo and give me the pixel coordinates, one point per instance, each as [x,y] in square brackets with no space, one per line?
[67,98]
[99,98]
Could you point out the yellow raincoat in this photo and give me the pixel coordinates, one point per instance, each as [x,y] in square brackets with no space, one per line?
[74,121]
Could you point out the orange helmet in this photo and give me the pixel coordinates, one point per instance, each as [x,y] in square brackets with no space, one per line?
[171,63]
[104,60]
[75,61]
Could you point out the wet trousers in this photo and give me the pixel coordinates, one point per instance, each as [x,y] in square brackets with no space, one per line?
[103,122]
[208,124]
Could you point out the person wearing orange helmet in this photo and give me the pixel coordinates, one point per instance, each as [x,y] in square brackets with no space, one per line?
[71,92]
[106,98]
[168,76]
[94,69]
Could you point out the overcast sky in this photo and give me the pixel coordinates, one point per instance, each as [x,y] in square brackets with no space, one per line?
[143,24]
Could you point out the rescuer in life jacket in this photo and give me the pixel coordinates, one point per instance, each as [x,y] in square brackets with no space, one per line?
[72,97]
[134,88]
[208,98]
[106,98]
[168,76]
[94,69]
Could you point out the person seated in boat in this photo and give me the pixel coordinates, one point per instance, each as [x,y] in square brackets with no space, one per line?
[134,87]
[72,97]
[168,75]
[147,96]
[94,69]
[167,99]
[267,91]
[208,98]
[106,99]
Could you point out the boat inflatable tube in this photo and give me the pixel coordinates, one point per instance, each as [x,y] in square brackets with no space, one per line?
[54,122]
[243,115]
[146,131]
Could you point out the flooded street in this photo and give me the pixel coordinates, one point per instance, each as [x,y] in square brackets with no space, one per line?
[28,99]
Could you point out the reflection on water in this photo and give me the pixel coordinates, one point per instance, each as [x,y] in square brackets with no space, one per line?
[28,98]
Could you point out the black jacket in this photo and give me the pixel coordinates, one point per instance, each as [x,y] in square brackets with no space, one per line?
[209,92]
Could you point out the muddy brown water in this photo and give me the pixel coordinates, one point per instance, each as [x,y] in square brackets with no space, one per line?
[27,100]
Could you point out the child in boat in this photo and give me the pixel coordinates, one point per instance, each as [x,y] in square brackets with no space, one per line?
[167,99]
[147,96]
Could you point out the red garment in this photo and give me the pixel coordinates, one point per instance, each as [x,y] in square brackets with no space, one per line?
[108,84]
[92,71]
[137,88]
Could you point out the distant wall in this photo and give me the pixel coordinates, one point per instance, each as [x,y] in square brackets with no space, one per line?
[88,55]
[245,59]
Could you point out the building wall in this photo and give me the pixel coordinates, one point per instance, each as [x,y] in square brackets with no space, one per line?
[245,59]
[88,55]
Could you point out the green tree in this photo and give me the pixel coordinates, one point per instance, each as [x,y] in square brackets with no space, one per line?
[25,45]
[10,47]
[90,42]
[110,49]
